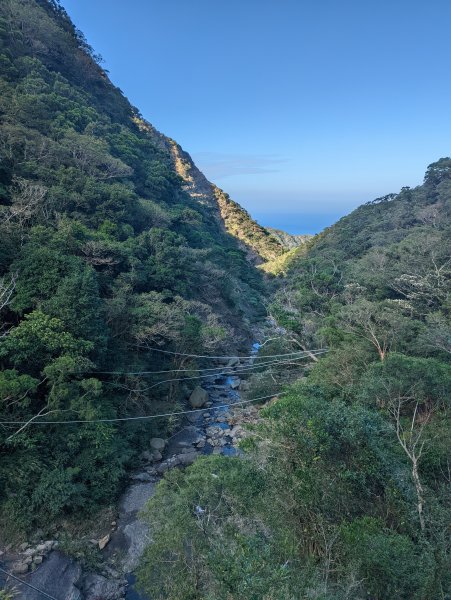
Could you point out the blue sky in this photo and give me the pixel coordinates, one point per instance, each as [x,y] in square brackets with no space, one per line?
[299,109]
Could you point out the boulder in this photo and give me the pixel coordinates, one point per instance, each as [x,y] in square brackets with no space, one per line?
[187,458]
[19,568]
[104,541]
[156,456]
[233,362]
[198,398]
[214,432]
[157,444]
[235,383]
[38,559]
[153,455]
[146,456]
[168,464]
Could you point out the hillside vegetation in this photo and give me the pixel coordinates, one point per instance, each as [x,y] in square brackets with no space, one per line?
[344,491]
[288,240]
[104,255]
[240,224]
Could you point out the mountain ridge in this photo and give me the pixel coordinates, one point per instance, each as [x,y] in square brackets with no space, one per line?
[257,241]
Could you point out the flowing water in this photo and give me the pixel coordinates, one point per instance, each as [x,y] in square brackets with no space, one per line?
[222,396]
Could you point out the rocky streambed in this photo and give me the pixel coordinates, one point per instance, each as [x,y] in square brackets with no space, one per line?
[215,425]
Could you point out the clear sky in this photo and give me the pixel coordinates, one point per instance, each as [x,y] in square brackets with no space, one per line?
[299,109]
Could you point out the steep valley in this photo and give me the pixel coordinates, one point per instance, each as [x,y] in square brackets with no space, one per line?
[193,406]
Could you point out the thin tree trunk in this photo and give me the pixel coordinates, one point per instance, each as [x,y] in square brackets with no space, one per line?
[419,490]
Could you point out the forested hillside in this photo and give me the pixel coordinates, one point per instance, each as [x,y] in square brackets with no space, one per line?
[239,223]
[259,243]
[288,240]
[344,492]
[104,255]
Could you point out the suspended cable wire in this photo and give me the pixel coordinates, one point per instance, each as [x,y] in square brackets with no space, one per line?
[209,375]
[32,587]
[223,357]
[140,418]
[306,352]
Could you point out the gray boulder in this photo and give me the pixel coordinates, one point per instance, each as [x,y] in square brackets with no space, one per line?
[235,383]
[146,456]
[233,362]
[198,398]
[187,458]
[157,444]
[20,567]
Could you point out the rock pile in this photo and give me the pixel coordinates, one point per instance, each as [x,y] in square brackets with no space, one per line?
[32,556]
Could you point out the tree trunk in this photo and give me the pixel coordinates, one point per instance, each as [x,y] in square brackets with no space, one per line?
[419,490]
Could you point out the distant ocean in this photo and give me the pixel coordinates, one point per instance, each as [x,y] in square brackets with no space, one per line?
[297,223]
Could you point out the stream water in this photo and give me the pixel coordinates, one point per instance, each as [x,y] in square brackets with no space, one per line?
[223,394]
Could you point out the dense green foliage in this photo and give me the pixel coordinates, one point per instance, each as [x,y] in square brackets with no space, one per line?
[102,256]
[344,491]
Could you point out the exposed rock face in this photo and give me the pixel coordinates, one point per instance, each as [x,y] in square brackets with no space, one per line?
[198,398]
[288,240]
[96,587]
[257,241]
[59,576]
[132,534]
